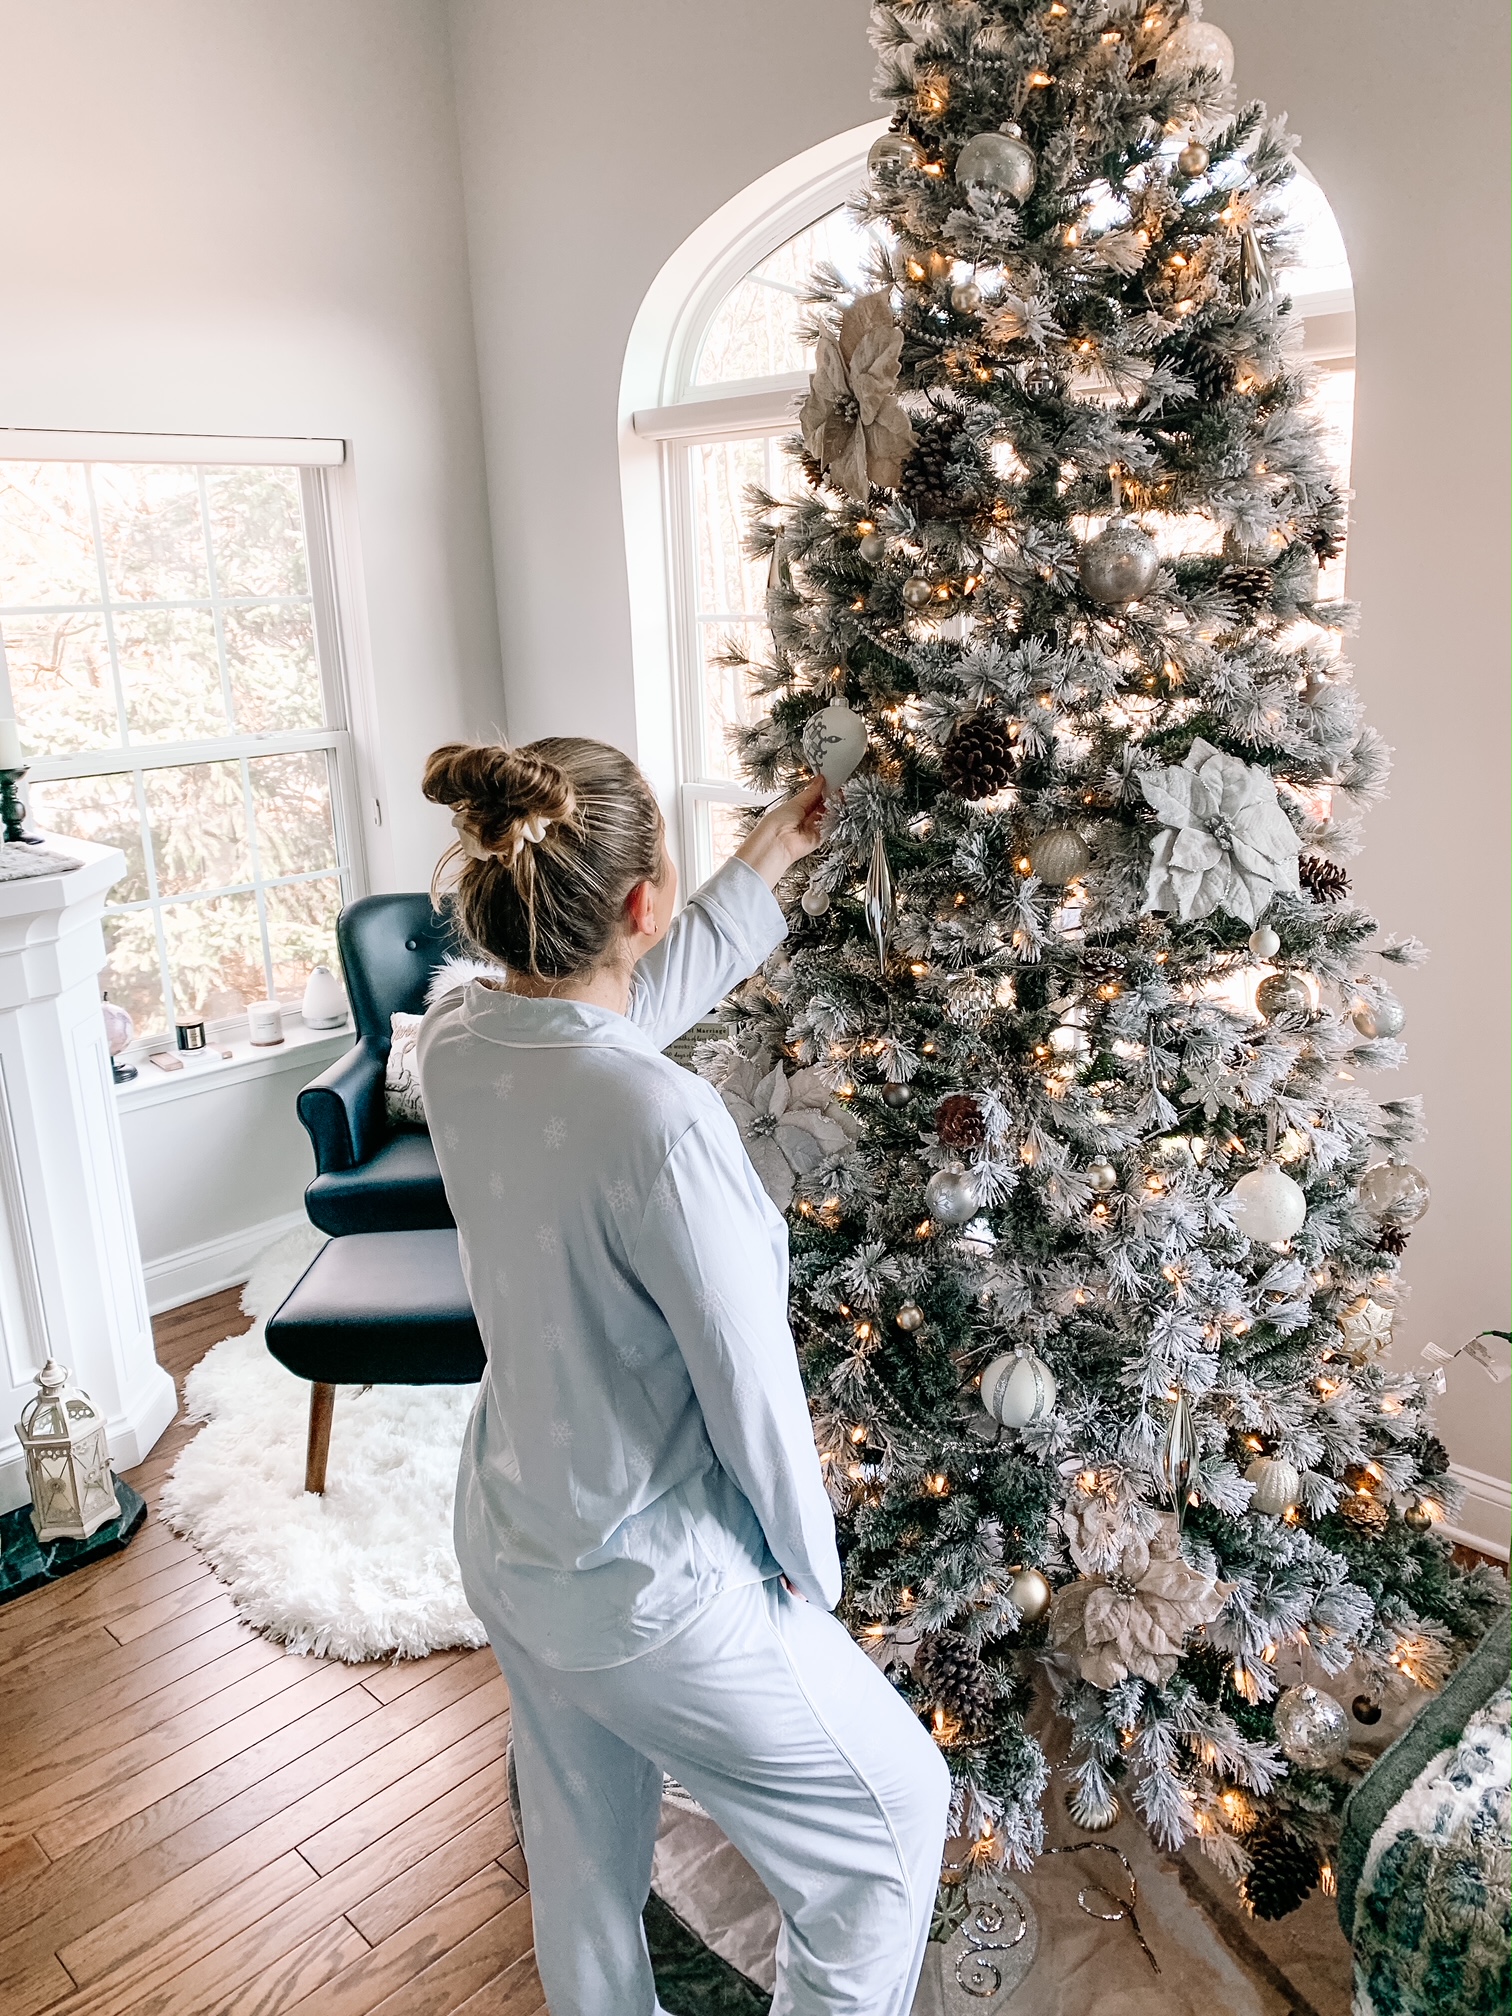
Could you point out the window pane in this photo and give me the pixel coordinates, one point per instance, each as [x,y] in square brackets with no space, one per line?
[153,533]
[729,702]
[101,809]
[257,532]
[728,826]
[755,332]
[46,542]
[61,684]
[291,796]
[722,473]
[170,672]
[214,955]
[132,976]
[270,656]
[198,819]
[302,931]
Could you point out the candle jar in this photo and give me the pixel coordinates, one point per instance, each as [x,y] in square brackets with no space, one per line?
[265,1023]
[190,1035]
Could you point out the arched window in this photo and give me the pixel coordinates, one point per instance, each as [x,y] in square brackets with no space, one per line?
[716,367]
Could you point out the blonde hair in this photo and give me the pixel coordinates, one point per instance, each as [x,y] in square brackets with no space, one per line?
[551,839]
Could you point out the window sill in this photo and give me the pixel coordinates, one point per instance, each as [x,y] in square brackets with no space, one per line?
[305,1050]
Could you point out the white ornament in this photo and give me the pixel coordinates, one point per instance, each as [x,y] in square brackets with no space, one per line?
[1366,1329]
[1195,45]
[1225,842]
[791,1126]
[1276,1483]
[1018,1389]
[1263,942]
[1267,1205]
[952,1196]
[815,900]
[834,741]
[324,1005]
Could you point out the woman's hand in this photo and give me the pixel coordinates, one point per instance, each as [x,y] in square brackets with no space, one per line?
[784,833]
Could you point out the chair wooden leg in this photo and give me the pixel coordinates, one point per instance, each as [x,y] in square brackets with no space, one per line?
[322,1405]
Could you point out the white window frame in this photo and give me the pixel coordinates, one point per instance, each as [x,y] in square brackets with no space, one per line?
[663,415]
[340,651]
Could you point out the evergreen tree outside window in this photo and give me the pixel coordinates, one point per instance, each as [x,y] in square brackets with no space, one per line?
[170,639]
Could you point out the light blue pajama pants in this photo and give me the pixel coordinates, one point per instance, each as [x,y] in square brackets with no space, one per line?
[786,1733]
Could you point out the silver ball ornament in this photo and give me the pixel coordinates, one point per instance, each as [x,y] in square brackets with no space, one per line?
[815,901]
[1311,1727]
[873,548]
[1395,1193]
[1018,1389]
[918,591]
[895,1096]
[952,1196]
[910,1317]
[1193,159]
[999,162]
[1030,1593]
[967,298]
[1102,1177]
[1060,856]
[1119,565]
[1276,1483]
[1267,1205]
[1282,994]
[1384,1016]
[893,150]
[1264,942]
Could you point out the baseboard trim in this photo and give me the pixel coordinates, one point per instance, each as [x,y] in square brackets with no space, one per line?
[1486,1513]
[176,1278]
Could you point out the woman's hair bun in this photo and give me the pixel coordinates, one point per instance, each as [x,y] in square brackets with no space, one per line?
[498,789]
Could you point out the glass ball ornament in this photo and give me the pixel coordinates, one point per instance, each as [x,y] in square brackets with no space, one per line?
[910,1317]
[1417,1517]
[1365,1709]
[1283,994]
[1030,1593]
[1311,1727]
[1018,1389]
[1193,159]
[1119,565]
[1102,1177]
[1264,942]
[893,150]
[952,1196]
[834,741]
[896,1096]
[1395,1193]
[1194,45]
[997,162]
[1384,1016]
[1059,856]
[967,298]
[1267,1205]
[1276,1483]
[918,591]
[873,548]
[815,901]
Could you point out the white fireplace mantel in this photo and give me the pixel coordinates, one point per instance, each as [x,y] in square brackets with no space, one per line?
[70,1269]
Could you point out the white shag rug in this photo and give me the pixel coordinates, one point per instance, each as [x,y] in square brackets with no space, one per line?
[367,1571]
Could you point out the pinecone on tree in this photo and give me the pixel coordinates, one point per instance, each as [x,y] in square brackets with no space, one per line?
[1284,1871]
[1364,1513]
[926,488]
[1249,588]
[978,755]
[955,1679]
[960,1121]
[1392,1239]
[1324,881]
[1210,375]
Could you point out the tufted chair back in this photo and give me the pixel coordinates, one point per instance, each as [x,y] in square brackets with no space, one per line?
[390,946]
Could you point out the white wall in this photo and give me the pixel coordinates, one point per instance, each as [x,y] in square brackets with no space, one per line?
[246,219]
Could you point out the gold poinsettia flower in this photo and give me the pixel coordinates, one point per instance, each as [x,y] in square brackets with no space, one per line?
[852,423]
[1134,1617]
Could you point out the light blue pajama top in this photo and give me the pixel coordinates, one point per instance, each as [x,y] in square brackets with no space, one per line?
[641,1439]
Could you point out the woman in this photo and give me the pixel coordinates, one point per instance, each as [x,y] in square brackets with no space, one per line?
[641,1519]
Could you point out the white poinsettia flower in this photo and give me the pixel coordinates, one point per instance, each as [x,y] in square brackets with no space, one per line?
[1225,842]
[791,1126]
[851,421]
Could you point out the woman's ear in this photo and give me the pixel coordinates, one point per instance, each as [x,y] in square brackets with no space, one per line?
[643,909]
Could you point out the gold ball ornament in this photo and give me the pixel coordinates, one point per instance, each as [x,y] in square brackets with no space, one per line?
[918,591]
[893,151]
[1276,1483]
[1030,1593]
[1283,994]
[814,901]
[967,298]
[1417,1516]
[896,1096]
[1365,1709]
[1365,1327]
[1193,159]
[873,548]
[910,1317]
[1059,856]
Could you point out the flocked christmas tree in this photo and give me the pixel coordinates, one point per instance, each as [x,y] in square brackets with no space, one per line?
[1095,1226]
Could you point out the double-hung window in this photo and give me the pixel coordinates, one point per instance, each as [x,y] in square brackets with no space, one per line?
[173,651]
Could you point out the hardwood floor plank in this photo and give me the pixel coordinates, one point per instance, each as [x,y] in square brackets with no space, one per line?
[23,1859]
[295,1975]
[467,1966]
[378,1917]
[515,1992]
[397,1677]
[37,1985]
[513,1859]
[120,1675]
[132,1624]
[367,1984]
[114,1943]
[107,1588]
[399,1802]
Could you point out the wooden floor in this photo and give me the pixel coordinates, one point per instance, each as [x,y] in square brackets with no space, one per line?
[193,1824]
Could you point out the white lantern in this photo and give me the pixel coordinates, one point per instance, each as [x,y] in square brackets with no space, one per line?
[67,1459]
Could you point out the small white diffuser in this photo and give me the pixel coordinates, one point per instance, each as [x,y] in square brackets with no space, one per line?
[324,1005]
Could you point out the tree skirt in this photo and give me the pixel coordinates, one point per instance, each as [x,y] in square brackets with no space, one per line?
[368,1570]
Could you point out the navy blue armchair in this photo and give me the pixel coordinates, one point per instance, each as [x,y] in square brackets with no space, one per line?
[370,1175]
